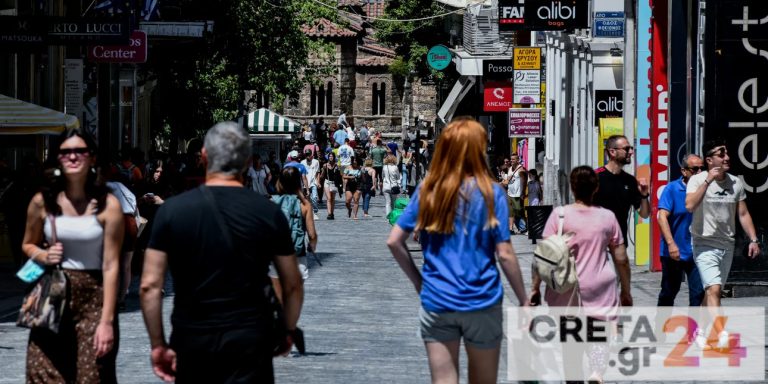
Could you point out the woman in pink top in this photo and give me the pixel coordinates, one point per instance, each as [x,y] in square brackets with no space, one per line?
[594,229]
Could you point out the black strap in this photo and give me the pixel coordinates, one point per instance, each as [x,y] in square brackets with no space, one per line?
[217,215]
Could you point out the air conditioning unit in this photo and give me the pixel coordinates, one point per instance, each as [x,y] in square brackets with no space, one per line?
[481,32]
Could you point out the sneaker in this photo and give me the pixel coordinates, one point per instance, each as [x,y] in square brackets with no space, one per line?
[723,339]
[700,339]
[315,216]
[329,217]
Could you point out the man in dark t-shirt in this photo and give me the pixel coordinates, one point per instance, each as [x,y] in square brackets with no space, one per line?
[620,190]
[218,241]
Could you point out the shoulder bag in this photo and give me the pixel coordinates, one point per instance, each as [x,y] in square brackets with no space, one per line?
[43,307]
[395,190]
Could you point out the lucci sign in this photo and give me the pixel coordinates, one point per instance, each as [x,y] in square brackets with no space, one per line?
[134,52]
[42,30]
[439,57]
[543,15]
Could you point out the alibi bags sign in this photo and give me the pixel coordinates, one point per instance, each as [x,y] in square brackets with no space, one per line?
[543,15]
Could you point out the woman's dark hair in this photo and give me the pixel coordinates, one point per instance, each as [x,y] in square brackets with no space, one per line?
[152,166]
[584,183]
[56,182]
[533,172]
[289,181]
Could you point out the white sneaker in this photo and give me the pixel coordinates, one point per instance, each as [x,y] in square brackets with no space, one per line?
[722,340]
[315,216]
[700,339]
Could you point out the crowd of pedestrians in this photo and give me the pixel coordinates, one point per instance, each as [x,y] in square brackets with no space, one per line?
[233,232]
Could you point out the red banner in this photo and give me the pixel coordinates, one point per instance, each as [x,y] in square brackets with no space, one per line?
[659,121]
[134,52]
[497,96]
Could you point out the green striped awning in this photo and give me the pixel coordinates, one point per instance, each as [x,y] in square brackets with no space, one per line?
[21,118]
[265,121]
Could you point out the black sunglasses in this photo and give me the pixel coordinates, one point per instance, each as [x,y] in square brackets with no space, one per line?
[720,152]
[626,149]
[696,169]
[77,151]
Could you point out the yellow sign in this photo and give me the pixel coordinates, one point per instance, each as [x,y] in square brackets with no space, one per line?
[527,58]
[608,127]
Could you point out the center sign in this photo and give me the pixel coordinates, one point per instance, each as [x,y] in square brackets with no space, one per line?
[134,52]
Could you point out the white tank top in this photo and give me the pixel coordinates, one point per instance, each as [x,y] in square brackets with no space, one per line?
[82,238]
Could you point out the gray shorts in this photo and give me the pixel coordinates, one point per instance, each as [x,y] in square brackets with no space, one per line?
[480,329]
[713,264]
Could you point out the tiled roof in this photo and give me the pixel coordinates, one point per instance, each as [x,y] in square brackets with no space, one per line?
[353,3]
[375,8]
[326,28]
[374,61]
[374,48]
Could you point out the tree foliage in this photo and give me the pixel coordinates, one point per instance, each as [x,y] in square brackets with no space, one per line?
[255,45]
[411,39]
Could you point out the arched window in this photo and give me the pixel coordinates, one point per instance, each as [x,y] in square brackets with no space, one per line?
[379,99]
[329,99]
[374,99]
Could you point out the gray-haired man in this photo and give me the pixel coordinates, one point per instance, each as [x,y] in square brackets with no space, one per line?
[222,327]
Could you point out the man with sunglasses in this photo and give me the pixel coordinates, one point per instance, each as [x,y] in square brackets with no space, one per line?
[716,199]
[619,190]
[675,247]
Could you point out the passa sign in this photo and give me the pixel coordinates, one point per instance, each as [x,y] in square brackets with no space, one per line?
[497,96]
[543,15]
[134,52]
[498,69]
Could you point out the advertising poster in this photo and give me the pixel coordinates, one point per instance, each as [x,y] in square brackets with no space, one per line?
[525,122]
[608,127]
[643,123]
[527,87]
[497,96]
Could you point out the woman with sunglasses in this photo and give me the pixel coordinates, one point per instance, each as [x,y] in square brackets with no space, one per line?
[87,221]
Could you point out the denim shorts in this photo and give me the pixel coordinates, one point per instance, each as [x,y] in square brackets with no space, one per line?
[713,264]
[480,329]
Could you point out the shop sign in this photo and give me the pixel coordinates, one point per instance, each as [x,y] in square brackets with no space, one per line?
[527,86]
[608,104]
[439,57]
[497,69]
[134,52]
[51,30]
[608,24]
[511,15]
[527,58]
[525,122]
[73,87]
[497,96]
[556,15]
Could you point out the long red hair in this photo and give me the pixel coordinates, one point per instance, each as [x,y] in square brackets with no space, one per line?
[460,153]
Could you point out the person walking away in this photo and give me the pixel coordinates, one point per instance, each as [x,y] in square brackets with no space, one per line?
[331,179]
[461,221]
[535,195]
[130,209]
[345,155]
[352,175]
[218,241]
[260,176]
[298,210]
[363,136]
[406,159]
[716,198]
[313,167]
[352,137]
[596,288]
[516,183]
[293,160]
[675,250]
[619,190]
[88,225]
[378,153]
[130,173]
[391,179]
[414,177]
[367,185]
[339,135]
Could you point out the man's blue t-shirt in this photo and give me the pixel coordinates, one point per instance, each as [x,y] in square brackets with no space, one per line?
[673,201]
[459,269]
[339,136]
[297,165]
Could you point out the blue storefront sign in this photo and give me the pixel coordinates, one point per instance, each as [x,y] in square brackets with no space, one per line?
[608,24]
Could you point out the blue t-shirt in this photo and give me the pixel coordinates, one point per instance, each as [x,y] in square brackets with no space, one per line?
[459,269]
[297,165]
[673,201]
[339,136]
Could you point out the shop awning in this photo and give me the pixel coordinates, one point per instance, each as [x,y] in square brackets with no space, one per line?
[21,118]
[265,121]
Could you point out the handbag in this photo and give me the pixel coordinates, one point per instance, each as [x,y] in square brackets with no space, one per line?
[279,329]
[43,307]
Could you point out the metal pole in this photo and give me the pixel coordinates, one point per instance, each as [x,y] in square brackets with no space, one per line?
[630,72]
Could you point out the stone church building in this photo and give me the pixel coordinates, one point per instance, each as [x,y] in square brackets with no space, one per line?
[361,85]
